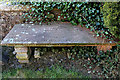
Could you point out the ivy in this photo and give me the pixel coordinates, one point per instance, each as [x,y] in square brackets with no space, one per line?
[108,61]
[83,13]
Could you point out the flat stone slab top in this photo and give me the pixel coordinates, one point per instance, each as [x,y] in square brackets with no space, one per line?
[53,33]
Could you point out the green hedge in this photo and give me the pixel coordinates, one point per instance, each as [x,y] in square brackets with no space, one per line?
[111,15]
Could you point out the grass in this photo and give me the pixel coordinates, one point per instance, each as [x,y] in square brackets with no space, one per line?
[54,72]
[0,75]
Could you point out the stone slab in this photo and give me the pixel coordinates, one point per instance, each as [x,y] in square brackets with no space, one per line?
[54,33]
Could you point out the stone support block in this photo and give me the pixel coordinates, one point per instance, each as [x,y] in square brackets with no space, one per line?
[22,54]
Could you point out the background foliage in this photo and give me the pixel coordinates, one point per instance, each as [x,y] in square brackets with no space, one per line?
[111,16]
[84,13]
[108,62]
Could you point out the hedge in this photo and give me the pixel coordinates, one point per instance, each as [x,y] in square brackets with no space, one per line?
[111,16]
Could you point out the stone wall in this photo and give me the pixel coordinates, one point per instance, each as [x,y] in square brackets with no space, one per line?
[9,16]
[8,20]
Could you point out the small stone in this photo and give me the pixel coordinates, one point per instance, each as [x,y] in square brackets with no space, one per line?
[61,59]
[88,58]
[51,60]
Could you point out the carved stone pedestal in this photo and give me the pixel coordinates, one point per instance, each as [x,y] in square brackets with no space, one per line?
[22,54]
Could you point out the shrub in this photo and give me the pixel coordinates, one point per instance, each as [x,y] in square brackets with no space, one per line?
[111,15]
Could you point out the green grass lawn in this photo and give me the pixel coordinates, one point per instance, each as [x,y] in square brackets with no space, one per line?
[54,72]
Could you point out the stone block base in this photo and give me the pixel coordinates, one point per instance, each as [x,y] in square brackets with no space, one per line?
[22,54]
[36,53]
[23,61]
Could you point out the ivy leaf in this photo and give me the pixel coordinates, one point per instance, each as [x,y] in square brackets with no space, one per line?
[106,32]
[33,9]
[79,20]
[97,11]
[58,18]
[98,35]
[90,67]
[79,5]
[73,22]
[97,23]
[40,23]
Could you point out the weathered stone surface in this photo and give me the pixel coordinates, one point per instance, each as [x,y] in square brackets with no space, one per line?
[23,61]
[7,21]
[37,53]
[22,54]
[56,33]
[21,50]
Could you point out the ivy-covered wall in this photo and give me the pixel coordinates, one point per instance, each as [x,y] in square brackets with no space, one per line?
[87,14]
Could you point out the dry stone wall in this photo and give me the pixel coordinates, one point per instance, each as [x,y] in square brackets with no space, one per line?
[8,20]
[9,16]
